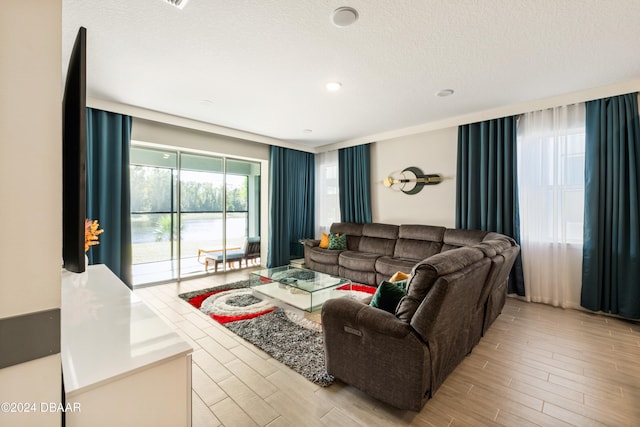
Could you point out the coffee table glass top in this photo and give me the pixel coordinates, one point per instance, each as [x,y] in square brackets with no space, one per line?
[301,278]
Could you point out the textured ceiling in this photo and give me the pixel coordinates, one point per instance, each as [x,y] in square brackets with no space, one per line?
[261,65]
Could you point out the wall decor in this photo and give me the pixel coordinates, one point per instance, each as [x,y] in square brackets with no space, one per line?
[411,180]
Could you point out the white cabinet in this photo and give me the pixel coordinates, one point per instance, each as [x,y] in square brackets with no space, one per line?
[122,364]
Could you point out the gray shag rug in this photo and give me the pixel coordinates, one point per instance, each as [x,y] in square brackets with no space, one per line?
[284,335]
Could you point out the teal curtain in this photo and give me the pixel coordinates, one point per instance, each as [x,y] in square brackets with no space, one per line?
[108,193]
[292,204]
[354,165]
[487,184]
[611,249]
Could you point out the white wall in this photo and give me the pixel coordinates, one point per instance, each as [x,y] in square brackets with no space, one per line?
[30,157]
[432,152]
[181,137]
[30,189]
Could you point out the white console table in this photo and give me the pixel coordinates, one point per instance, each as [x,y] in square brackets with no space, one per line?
[121,363]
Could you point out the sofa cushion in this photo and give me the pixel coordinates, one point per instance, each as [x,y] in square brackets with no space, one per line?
[421,232]
[337,242]
[492,235]
[399,276]
[324,241]
[352,230]
[382,231]
[418,241]
[496,245]
[487,248]
[323,256]
[388,295]
[427,272]
[359,276]
[387,265]
[378,238]
[359,261]
[377,246]
[416,249]
[456,238]
[348,228]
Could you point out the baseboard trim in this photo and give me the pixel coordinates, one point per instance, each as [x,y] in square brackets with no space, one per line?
[29,336]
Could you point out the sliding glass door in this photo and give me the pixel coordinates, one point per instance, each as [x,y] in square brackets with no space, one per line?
[153,215]
[242,198]
[210,208]
[201,209]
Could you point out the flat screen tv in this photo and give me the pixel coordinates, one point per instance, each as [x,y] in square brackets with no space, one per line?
[74,149]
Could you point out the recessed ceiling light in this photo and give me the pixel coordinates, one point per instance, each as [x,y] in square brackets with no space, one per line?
[344,16]
[333,86]
[444,92]
[307,130]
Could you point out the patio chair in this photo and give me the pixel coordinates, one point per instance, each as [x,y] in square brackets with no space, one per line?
[248,251]
[253,250]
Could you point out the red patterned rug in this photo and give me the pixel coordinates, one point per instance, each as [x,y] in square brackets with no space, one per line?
[235,301]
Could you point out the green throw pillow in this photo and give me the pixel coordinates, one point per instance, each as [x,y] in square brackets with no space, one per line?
[388,295]
[338,242]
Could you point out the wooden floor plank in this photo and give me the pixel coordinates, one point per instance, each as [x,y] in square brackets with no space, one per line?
[252,404]
[201,414]
[231,415]
[211,366]
[570,416]
[209,391]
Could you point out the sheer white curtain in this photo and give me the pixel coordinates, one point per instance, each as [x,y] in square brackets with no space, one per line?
[551,193]
[327,196]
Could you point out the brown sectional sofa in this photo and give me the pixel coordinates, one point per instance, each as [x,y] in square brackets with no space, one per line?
[456,289]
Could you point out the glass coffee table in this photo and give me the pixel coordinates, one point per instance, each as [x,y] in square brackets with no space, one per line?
[298,287]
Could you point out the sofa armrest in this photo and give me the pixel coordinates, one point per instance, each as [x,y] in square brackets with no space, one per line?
[377,353]
[355,317]
[310,242]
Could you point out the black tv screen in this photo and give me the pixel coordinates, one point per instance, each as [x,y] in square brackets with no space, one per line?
[74,148]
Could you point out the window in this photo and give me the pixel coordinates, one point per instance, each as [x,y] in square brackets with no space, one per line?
[184,202]
[551,173]
[327,197]
[551,152]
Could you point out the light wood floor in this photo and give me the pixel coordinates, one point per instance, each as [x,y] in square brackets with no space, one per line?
[537,365]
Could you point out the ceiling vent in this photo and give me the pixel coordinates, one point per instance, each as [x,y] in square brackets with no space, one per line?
[177,3]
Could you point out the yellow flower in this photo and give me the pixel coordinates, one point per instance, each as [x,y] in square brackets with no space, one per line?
[91,233]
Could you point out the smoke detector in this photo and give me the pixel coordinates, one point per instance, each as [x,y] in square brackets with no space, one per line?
[180,4]
[344,16]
